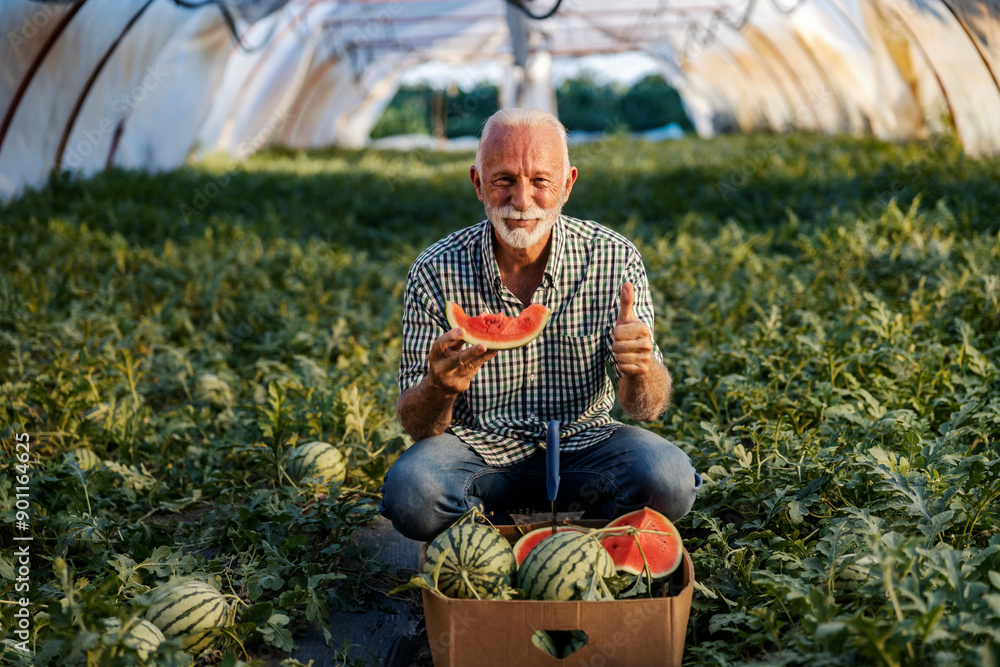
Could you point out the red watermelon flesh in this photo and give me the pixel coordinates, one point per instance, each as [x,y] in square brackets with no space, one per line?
[498,331]
[663,552]
[528,541]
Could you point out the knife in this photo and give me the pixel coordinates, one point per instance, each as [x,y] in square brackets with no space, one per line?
[552,466]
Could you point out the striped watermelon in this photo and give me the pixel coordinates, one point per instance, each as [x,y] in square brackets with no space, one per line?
[477,561]
[543,642]
[528,541]
[566,566]
[577,640]
[85,458]
[141,636]
[316,460]
[191,610]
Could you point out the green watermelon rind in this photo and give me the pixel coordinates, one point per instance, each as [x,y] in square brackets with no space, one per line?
[543,642]
[535,537]
[578,639]
[457,319]
[562,566]
[319,460]
[485,556]
[85,458]
[191,610]
[140,635]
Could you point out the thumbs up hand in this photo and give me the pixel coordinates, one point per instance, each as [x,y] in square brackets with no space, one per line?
[633,342]
[625,314]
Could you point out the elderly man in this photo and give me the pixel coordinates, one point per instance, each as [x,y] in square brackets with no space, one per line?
[478,417]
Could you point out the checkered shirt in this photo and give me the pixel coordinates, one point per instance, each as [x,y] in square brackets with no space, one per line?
[564,373]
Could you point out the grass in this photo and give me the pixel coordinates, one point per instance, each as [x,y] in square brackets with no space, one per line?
[829,308]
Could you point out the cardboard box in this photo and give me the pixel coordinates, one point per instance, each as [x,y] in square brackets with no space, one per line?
[633,632]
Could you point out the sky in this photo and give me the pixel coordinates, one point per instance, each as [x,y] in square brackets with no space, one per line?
[624,68]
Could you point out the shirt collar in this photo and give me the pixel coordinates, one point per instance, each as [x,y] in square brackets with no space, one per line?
[553,265]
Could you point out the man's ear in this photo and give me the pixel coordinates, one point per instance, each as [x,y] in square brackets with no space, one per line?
[476,181]
[570,180]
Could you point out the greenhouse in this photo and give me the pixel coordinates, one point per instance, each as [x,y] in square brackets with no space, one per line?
[277,392]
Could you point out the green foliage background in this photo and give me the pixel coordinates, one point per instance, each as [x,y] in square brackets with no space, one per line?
[829,308]
[582,103]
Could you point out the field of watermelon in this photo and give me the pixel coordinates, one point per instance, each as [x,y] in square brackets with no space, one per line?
[830,309]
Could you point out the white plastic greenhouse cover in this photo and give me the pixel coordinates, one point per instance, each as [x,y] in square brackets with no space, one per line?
[89,84]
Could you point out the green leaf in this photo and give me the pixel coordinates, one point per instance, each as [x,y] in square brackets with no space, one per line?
[257,613]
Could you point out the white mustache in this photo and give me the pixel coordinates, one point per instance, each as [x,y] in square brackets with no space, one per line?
[511,213]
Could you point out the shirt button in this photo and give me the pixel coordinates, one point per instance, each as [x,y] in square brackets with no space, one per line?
[531,378]
[531,415]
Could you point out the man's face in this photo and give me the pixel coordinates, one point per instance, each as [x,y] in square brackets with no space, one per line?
[523,184]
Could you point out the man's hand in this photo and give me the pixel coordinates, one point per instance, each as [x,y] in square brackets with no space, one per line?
[633,342]
[645,387]
[452,368]
[424,410]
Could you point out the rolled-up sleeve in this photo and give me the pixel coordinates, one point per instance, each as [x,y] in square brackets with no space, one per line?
[423,323]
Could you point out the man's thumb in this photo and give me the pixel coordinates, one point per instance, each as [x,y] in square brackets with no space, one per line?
[625,314]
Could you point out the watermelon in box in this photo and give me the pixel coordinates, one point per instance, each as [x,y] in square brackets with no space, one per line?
[529,541]
[657,547]
[496,633]
[569,565]
[476,562]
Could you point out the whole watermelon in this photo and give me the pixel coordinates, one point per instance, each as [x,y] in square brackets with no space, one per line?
[476,561]
[141,636]
[317,460]
[191,610]
[85,458]
[566,566]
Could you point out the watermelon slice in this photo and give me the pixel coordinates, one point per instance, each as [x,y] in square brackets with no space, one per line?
[528,541]
[497,331]
[663,552]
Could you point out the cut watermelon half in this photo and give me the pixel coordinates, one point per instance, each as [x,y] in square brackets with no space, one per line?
[663,552]
[497,331]
[530,540]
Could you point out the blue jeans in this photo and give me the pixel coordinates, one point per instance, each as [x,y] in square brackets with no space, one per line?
[437,479]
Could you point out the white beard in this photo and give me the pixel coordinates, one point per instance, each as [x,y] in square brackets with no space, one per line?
[517,237]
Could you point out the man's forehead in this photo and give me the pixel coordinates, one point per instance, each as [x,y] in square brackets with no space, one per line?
[540,143]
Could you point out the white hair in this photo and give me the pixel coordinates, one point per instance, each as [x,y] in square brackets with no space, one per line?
[509,119]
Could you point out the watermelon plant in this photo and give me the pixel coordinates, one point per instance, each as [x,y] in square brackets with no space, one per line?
[828,308]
